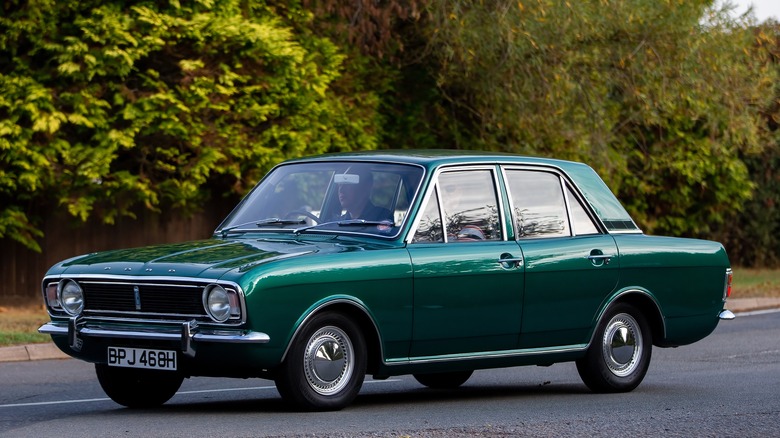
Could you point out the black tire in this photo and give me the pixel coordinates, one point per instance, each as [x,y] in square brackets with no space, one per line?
[618,358]
[325,366]
[443,380]
[138,388]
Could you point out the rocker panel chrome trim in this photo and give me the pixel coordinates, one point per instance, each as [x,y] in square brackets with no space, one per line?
[487,355]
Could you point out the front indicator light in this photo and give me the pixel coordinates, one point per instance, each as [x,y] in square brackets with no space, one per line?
[52,298]
[70,297]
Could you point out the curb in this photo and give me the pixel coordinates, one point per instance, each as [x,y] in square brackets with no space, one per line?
[49,351]
[741,305]
[19,353]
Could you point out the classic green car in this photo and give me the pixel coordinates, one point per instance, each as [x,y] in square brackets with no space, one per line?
[433,264]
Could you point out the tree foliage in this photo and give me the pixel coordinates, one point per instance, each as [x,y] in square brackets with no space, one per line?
[110,106]
[659,96]
[754,234]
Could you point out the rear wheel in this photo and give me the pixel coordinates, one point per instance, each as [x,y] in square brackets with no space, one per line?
[136,388]
[325,366]
[618,358]
[443,380]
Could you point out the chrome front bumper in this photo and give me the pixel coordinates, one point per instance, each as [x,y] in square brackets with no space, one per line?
[187,334]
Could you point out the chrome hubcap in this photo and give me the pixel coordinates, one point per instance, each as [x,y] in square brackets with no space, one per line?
[622,345]
[328,361]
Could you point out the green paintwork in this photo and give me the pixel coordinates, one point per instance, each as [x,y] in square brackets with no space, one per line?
[437,307]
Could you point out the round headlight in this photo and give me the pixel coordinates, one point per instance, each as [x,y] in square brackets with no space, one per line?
[217,303]
[71,297]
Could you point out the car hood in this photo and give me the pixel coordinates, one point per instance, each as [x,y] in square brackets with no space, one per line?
[210,258]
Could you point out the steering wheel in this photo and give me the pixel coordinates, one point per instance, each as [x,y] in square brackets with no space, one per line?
[308,214]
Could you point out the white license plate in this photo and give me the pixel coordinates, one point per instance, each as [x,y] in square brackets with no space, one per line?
[142,358]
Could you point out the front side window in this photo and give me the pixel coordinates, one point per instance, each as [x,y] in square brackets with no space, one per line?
[470,205]
[429,228]
[539,208]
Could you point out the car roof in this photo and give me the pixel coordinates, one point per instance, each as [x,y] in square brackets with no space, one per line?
[432,158]
[607,207]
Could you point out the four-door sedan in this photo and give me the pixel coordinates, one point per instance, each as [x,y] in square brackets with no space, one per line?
[433,264]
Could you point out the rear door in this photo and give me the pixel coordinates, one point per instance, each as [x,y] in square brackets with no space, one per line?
[571,264]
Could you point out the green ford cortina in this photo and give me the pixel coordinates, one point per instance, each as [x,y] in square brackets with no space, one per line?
[433,264]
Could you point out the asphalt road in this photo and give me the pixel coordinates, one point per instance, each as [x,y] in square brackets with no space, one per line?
[725,385]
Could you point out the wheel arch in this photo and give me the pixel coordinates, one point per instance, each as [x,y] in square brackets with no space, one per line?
[646,303]
[357,312]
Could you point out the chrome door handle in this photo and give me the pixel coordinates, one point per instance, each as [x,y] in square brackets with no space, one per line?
[596,257]
[511,262]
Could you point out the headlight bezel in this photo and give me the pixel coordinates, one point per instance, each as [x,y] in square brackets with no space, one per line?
[68,293]
[221,303]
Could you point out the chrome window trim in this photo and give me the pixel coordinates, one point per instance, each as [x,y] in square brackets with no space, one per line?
[434,187]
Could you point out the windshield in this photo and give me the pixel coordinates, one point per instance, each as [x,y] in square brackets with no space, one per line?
[342,197]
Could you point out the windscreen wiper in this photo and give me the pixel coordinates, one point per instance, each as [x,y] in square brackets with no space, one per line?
[344,223]
[260,223]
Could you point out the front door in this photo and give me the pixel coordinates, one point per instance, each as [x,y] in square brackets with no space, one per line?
[468,279]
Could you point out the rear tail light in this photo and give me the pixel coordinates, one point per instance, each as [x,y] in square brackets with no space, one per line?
[727,289]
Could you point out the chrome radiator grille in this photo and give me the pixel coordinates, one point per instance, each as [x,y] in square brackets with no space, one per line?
[149,299]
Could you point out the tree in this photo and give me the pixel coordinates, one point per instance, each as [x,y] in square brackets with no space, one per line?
[754,232]
[660,97]
[106,107]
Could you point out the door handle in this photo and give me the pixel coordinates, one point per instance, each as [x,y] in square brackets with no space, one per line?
[600,257]
[510,262]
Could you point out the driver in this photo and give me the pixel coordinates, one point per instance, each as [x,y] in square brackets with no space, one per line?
[355,199]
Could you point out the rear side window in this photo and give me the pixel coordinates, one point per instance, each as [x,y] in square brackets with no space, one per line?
[539,207]
[580,221]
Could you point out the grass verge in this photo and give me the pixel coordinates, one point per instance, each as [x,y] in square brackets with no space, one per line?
[756,283]
[19,325]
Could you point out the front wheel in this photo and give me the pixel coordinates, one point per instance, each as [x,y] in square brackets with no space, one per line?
[325,366]
[618,358]
[138,388]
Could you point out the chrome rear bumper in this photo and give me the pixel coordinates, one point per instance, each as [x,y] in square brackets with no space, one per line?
[727,315]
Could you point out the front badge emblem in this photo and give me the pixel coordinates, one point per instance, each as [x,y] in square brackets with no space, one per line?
[137,293]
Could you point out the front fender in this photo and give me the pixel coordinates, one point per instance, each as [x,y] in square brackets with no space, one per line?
[338,303]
